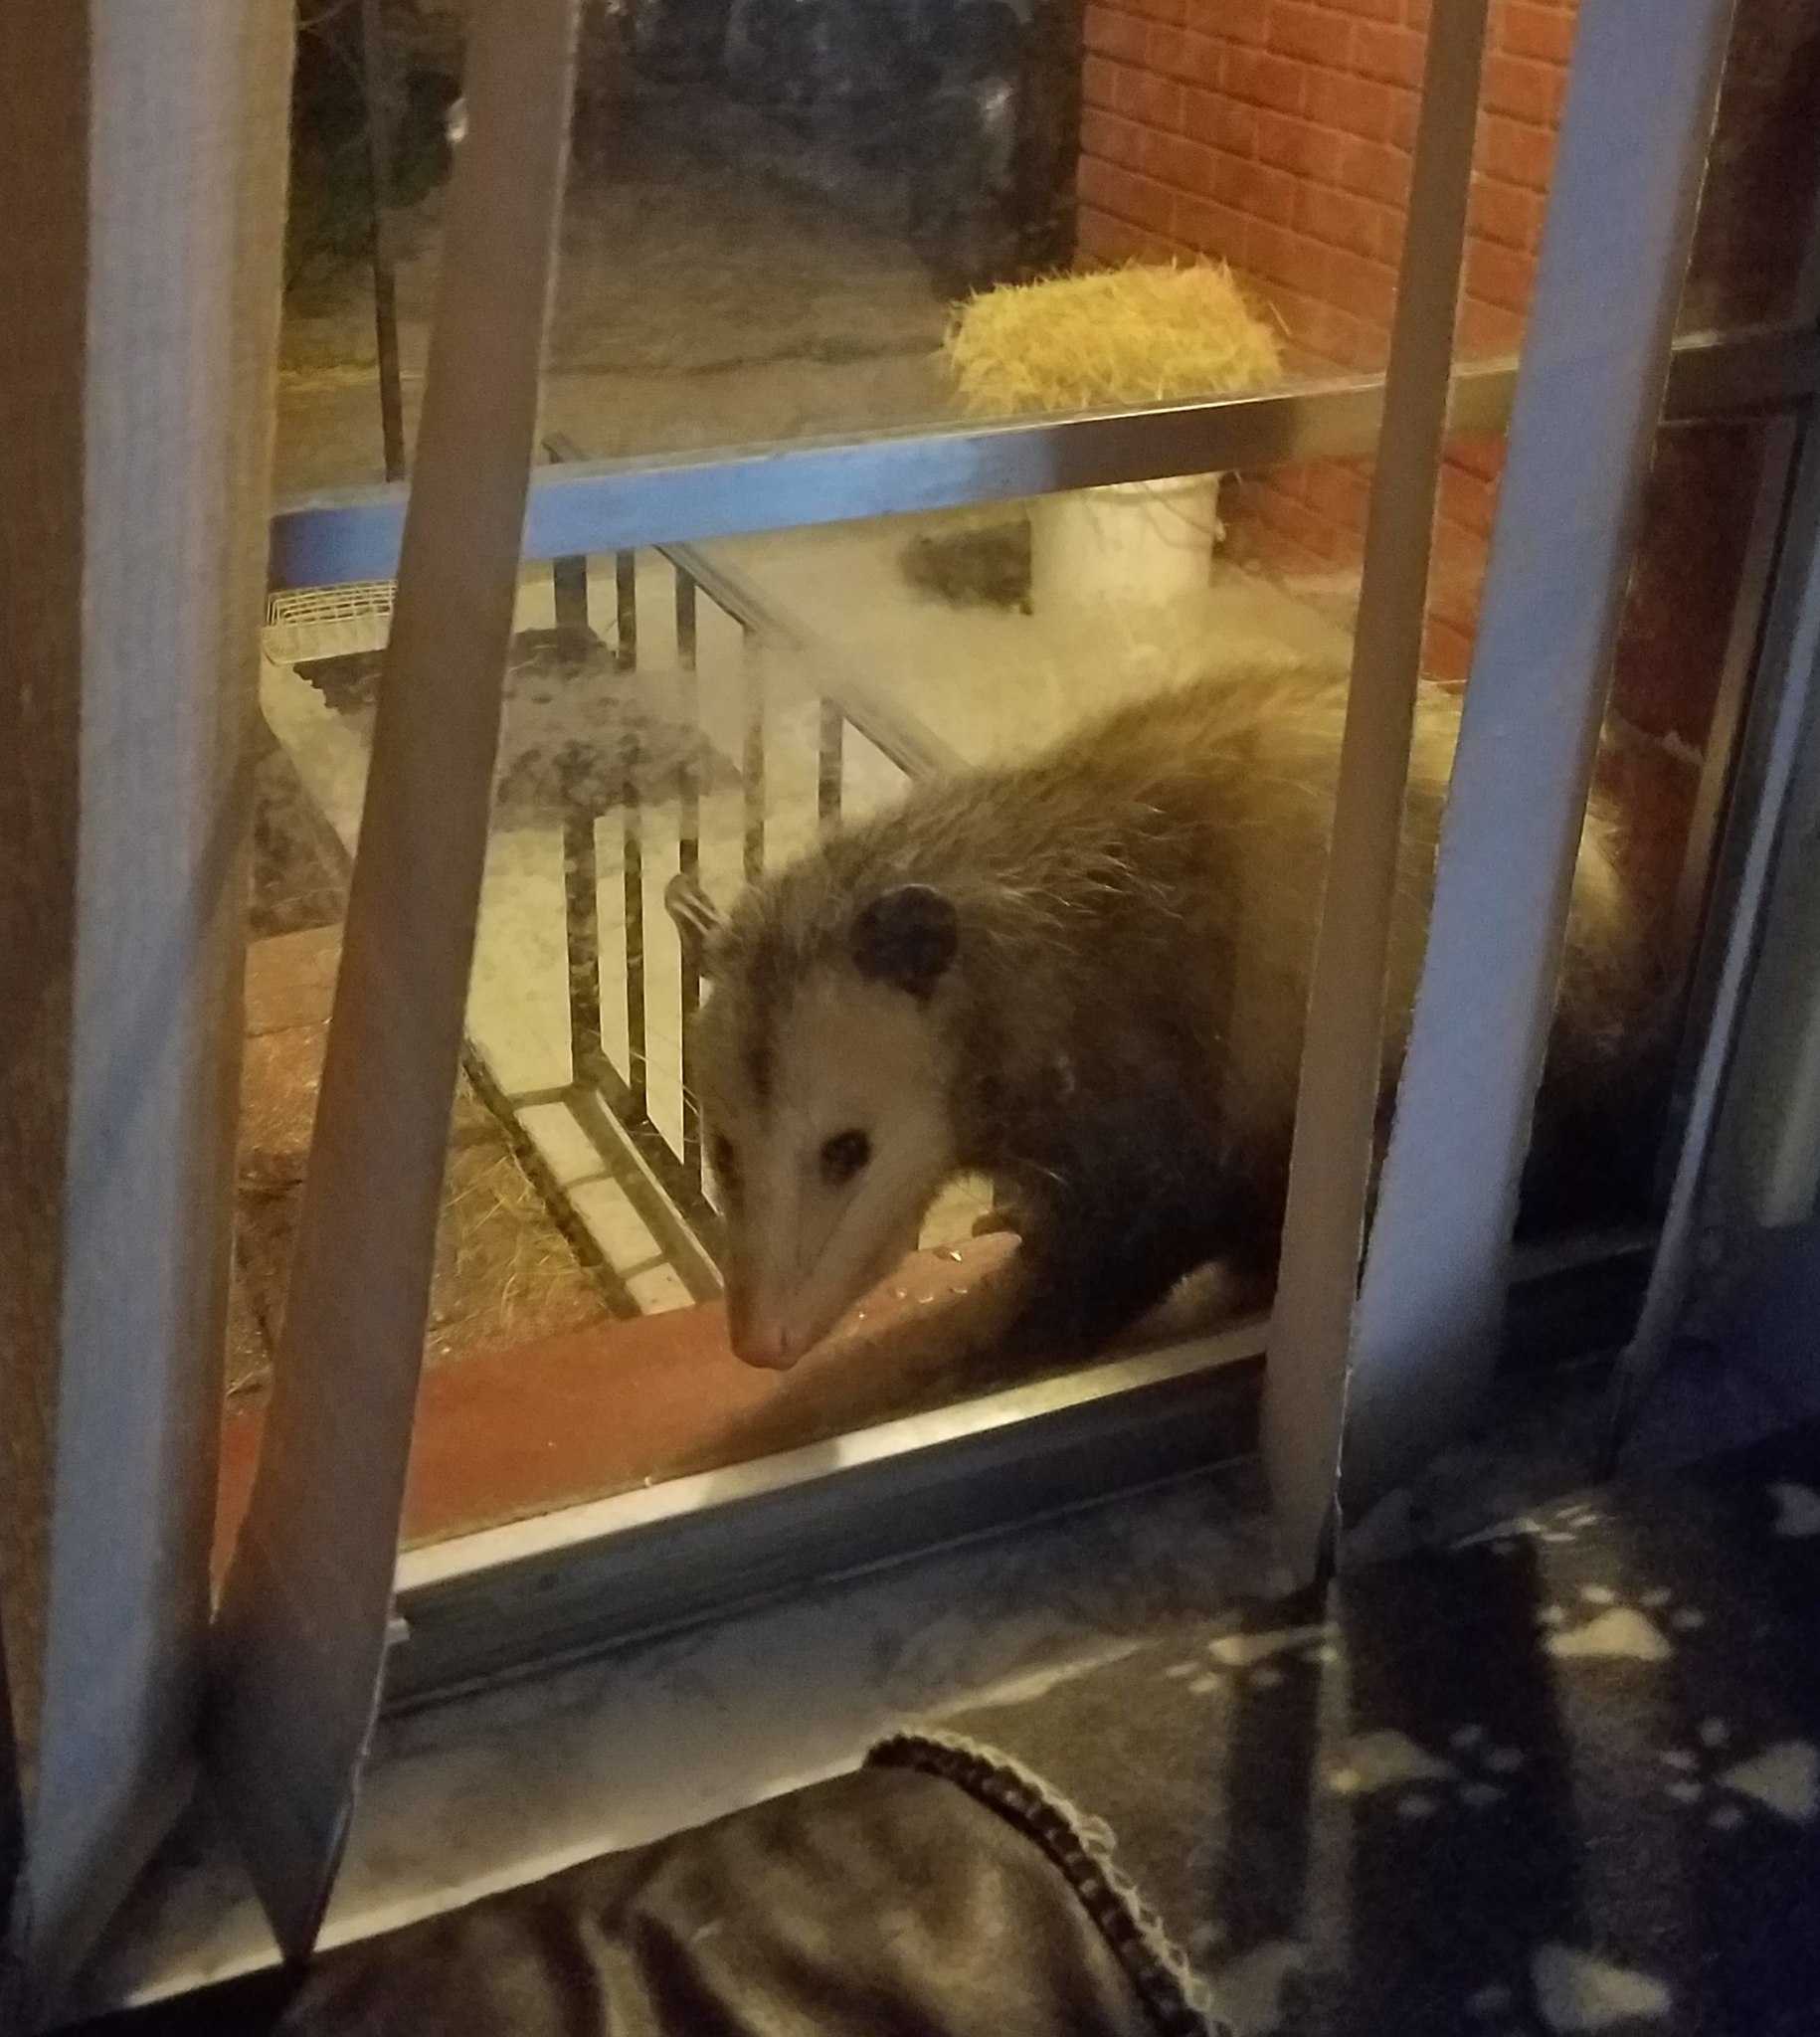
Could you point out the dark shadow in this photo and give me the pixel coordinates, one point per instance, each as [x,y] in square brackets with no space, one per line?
[12,1815]
[1460,1869]
[251,2006]
[1736,1723]
[1259,1890]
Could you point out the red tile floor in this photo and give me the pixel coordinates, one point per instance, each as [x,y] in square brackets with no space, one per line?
[534,1394]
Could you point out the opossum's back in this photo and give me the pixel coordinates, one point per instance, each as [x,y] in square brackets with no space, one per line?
[1197,818]
[1254,761]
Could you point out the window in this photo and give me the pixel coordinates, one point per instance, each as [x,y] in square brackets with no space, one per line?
[704,708]
[779,569]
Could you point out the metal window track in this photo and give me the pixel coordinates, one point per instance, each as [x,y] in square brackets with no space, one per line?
[516,1601]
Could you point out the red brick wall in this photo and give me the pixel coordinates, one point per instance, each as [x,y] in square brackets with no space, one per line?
[1276,134]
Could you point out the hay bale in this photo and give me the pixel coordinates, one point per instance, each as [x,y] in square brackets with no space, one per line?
[1149,332]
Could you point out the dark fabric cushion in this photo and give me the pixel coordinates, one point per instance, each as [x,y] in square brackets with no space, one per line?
[884,1904]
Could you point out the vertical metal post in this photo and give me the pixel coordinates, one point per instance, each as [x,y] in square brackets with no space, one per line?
[625,657]
[1311,1328]
[1694,887]
[142,157]
[625,591]
[582,933]
[568,585]
[12,1835]
[581,874]
[829,765]
[1793,652]
[1634,138]
[689,862]
[378,82]
[752,756]
[305,1613]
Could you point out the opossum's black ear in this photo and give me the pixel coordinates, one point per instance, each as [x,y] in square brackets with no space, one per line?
[907,937]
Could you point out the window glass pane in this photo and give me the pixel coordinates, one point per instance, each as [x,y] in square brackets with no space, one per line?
[773,212]
[711,713]
[777,207]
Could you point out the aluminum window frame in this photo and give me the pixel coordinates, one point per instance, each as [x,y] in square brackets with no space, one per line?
[513,1602]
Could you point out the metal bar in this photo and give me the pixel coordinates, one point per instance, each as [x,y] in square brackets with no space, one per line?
[569,574]
[633,835]
[12,1837]
[375,65]
[1699,861]
[1633,146]
[569,587]
[829,764]
[1330,1169]
[688,865]
[752,752]
[332,538]
[582,936]
[916,751]
[685,622]
[305,1614]
[625,598]
[625,657]
[142,161]
[580,872]
[667,1187]
[1795,654]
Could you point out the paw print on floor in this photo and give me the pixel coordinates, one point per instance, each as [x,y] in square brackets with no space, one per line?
[1602,1627]
[1569,1994]
[1253,1992]
[1244,1662]
[1782,1780]
[1797,1510]
[1476,1771]
[1553,1527]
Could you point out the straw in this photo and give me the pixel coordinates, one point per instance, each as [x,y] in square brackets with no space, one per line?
[1148,332]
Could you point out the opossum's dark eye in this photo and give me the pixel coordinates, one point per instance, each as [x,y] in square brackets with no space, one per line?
[844,1156]
[726,1165]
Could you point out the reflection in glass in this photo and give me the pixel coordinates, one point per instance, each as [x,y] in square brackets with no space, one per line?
[682,725]
[775,210]
[776,207]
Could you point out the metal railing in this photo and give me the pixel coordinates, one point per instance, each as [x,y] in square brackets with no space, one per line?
[610,1097]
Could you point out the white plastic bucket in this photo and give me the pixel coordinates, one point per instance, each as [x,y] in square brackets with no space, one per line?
[1134,544]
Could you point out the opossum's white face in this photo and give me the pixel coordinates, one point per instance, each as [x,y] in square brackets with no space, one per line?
[828,1133]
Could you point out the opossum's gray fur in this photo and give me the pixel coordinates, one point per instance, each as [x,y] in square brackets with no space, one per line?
[1122,1026]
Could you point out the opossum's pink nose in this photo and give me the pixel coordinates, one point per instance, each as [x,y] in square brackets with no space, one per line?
[767,1350]
[759,1338]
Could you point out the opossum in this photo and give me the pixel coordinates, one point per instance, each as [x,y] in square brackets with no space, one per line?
[1082,975]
